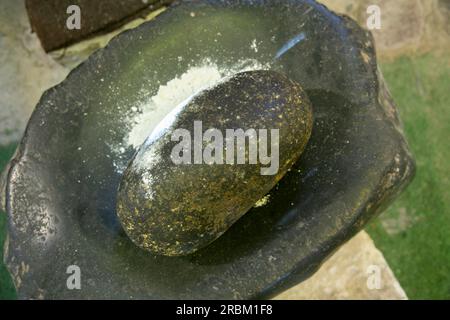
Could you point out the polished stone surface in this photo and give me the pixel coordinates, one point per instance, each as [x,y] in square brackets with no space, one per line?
[61,187]
[193,179]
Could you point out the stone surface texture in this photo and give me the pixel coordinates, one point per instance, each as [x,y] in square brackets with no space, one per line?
[351,273]
[253,99]
[407,26]
[48,18]
[26,72]
[358,162]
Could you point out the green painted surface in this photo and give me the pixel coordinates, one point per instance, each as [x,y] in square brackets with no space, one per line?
[6,287]
[414,233]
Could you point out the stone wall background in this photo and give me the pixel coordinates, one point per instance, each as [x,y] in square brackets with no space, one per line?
[25,70]
[407,26]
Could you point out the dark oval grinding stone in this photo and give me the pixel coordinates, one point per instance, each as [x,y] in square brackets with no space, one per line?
[177,208]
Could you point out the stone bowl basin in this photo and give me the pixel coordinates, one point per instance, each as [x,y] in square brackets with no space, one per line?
[61,185]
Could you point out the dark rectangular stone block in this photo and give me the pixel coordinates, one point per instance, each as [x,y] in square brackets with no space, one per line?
[48,18]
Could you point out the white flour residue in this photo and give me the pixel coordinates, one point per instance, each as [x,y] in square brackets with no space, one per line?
[168,97]
[254,46]
[177,91]
[153,116]
[149,158]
